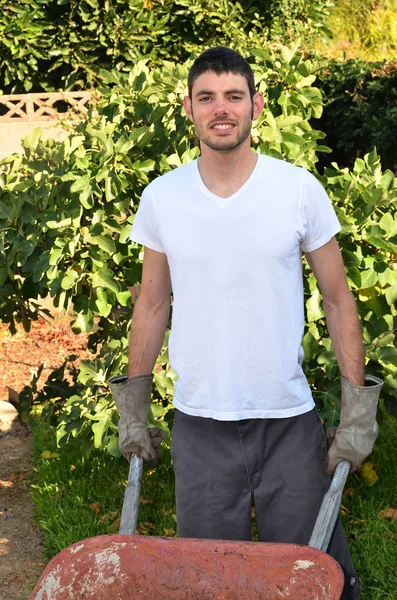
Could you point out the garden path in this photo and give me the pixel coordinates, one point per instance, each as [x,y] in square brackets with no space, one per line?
[21,561]
[20,547]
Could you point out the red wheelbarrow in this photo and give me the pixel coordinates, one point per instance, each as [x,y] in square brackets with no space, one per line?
[128,566]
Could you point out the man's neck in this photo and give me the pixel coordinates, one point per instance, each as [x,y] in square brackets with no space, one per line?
[224,173]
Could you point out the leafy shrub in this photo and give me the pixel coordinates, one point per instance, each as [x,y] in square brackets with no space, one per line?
[362,29]
[63,45]
[66,210]
[289,19]
[360,111]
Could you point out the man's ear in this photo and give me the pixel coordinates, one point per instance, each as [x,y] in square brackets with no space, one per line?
[187,104]
[258,102]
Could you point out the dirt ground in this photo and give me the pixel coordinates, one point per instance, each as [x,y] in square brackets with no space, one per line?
[21,560]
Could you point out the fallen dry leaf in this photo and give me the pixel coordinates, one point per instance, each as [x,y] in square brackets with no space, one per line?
[145,501]
[388,513]
[169,532]
[109,517]
[348,492]
[5,484]
[96,507]
[388,534]
[18,477]
[142,530]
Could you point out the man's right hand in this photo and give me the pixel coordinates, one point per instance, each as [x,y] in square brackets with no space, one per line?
[132,397]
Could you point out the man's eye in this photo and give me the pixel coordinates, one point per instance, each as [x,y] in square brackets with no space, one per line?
[235,97]
[204,98]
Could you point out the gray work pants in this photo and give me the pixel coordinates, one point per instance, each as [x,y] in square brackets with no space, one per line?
[222,467]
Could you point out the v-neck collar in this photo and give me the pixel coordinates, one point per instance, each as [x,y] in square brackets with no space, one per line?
[224,202]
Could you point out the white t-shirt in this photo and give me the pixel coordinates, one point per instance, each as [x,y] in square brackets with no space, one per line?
[236,272]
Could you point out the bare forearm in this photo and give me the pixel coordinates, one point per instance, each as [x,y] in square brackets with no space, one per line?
[147,335]
[345,331]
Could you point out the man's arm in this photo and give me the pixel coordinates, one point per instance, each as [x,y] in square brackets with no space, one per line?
[150,315]
[358,430]
[340,310]
[132,394]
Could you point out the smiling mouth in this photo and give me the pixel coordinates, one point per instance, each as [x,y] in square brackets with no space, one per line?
[223,126]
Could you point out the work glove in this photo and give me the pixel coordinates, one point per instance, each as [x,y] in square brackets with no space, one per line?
[358,429]
[132,397]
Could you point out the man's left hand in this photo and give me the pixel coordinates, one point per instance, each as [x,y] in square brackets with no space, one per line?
[358,429]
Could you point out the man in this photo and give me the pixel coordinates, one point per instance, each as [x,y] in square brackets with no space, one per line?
[226,234]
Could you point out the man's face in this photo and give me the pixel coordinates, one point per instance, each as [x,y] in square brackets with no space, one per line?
[222,111]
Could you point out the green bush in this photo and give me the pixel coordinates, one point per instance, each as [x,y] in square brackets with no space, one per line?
[362,29]
[66,210]
[360,111]
[63,44]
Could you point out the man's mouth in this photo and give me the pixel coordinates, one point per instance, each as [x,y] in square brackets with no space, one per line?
[222,126]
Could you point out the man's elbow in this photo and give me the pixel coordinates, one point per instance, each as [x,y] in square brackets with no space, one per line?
[153,303]
[339,300]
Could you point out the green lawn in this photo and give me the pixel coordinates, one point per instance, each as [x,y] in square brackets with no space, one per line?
[373,538]
[75,498]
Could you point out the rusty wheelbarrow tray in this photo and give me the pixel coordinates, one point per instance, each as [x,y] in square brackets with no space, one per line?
[126,567]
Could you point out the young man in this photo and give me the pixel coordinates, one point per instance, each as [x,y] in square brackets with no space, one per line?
[226,233]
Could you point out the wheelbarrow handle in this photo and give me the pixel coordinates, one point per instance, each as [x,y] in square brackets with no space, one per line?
[322,530]
[129,512]
[329,508]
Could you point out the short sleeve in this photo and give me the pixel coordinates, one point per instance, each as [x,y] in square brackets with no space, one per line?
[319,220]
[145,226]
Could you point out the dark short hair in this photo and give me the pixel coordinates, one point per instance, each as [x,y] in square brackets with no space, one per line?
[221,60]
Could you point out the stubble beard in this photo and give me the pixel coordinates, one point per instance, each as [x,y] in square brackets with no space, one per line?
[225,145]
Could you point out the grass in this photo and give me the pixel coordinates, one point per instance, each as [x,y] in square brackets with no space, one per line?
[372,537]
[75,498]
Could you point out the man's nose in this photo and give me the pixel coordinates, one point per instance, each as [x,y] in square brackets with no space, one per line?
[221,108]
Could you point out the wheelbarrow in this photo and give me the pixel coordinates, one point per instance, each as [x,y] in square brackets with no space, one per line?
[128,566]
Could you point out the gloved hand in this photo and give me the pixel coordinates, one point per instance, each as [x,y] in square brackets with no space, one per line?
[358,429]
[132,398]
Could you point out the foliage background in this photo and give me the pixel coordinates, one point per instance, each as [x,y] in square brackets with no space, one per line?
[63,44]
[66,210]
[361,29]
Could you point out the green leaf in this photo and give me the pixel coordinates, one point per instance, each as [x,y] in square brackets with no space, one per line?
[105,242]
[82,184]
[113,446]
[69,279]
[385,339]
[124,298]
[84,322]
[31,140]
[55,256]
[310,345]
[73,142]
[391,295]
[101,136]
[144,166]
[103,307]
[104,278]
[125,234]
[389,354]
[91,372]
[100,428]
[313,307]
[368,278]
